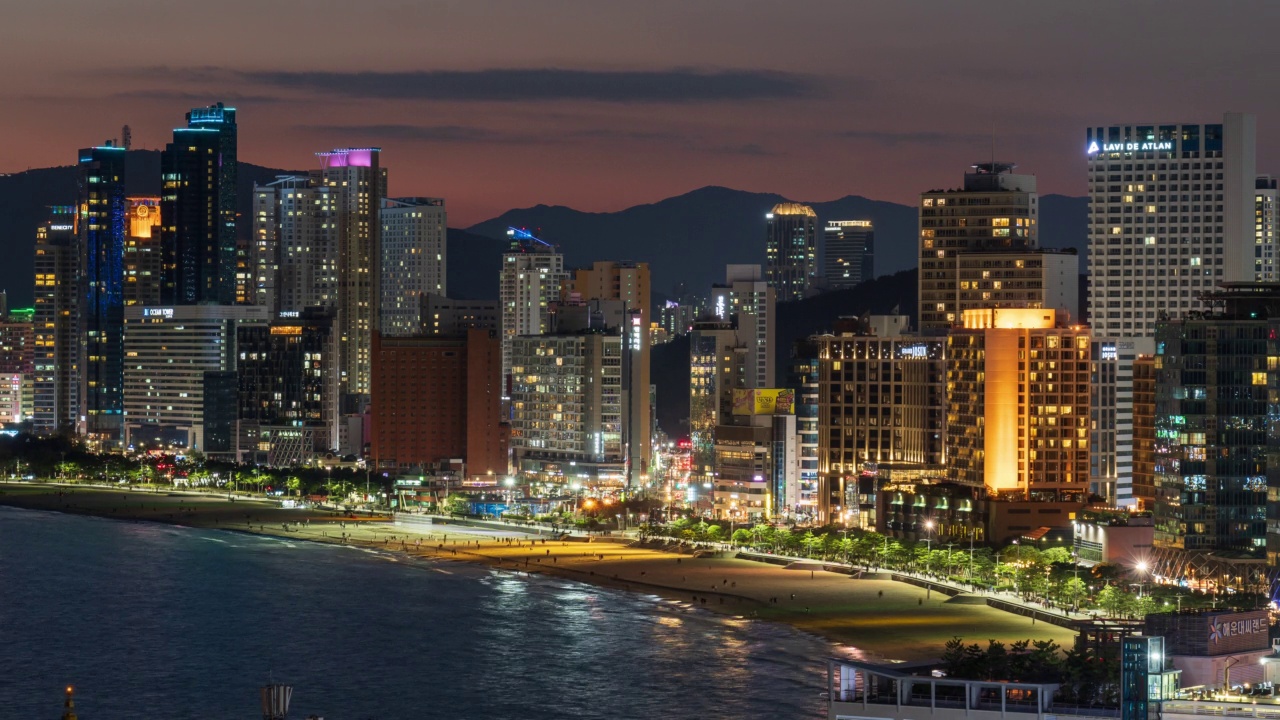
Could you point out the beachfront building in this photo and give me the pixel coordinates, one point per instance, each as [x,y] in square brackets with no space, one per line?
[168,352]
[414,256]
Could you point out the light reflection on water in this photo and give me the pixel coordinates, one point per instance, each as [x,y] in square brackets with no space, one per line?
[154,620]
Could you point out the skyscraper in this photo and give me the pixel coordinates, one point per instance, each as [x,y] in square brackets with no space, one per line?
[627,283]
[532,271]
[143,257]
[1171,215]
[198,209]
[293,249]
[847,253]
[101,230]
[746,300]
[979,248]
[791,249]
[57,323]
[361,182]
[413,261]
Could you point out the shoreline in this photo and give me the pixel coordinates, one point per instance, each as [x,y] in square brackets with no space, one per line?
[869,619]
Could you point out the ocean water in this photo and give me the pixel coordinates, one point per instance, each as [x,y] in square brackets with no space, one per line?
[148,620]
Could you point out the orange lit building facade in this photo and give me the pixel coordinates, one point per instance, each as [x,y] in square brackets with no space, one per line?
[1018,404]
[437,399]
[143,261]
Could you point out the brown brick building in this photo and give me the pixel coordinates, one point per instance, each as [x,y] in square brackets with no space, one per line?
[436,399]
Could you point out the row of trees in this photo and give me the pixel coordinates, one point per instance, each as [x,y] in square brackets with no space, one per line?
[1050,575]
[63,458]
[1085,678]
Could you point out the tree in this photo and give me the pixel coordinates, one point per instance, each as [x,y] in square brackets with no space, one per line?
[1113,601]
[457,505]
[1057,555]
[741,536]
[294,484]
[715,533]
[1073,590]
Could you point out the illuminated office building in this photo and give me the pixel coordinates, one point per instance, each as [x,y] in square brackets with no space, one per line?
[143,256]
[168,352]
[791,250]
[198,209]
[1018,401]
[848,249]
[361,182]
[293,248]
[979,248]
[57,323]
[414,256]
[531,275]
[1211,409]
[102,228]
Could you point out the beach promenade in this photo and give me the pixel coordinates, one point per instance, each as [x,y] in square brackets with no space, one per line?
[869,618]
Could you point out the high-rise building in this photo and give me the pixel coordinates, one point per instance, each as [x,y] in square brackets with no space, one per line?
[881,409]
[288,375]
[791,250]
[803,375]
[626,283]
[446,316]
[17,361]
[168,351]
[102,227]
[437,399]
[1266,217]
[1144,432]
[57,323]
[848,249]
[715,371]
[1018,402]
[757,459]
[1171,210]
[361,182]
[1171,214]
[1211,421]
[143,256]
[979,248]
[532,272]
[293,250]
[198,209]
[567,408]
[749,302]
[414,256]
[1104,364]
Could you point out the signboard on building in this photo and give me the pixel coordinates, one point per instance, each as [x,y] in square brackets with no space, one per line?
[1208,633]
[764,401]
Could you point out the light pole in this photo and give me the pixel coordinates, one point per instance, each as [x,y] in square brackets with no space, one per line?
[928,550]
[1141,567]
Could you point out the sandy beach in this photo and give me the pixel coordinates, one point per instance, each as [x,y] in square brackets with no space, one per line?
[869,618]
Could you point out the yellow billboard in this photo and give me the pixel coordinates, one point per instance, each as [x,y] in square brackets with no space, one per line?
[764,401]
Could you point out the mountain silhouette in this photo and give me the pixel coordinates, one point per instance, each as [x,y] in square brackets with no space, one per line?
[686,239]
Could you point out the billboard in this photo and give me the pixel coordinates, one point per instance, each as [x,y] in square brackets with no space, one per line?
[764,401]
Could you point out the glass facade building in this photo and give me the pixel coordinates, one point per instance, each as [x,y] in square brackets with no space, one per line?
[101,228]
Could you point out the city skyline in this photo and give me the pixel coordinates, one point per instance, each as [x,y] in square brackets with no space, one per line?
[842,98]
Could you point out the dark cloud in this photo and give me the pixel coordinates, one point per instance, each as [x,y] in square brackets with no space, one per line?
[419,133]
[931,139]
[198,98]
[679,85]
[482,135]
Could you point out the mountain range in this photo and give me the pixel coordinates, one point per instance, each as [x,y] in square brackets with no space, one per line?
[687,239]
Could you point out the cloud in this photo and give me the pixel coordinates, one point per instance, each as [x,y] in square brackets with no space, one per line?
[677,85]
[931,139]
[456,134]
[420,133]
[200,98]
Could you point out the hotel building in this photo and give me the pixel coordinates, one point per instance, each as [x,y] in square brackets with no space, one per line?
[1172,213]
[531,275]
[143,255]
[1018,402]
[168,352]
[881,407]
[293,248]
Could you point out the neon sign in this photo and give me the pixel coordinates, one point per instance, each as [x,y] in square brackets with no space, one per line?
[1145,146]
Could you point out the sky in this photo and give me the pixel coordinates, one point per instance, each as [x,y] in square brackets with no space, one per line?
[601,105]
